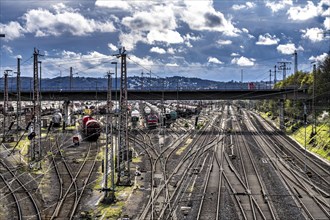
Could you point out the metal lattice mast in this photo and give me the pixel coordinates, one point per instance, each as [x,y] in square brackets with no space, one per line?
[5,103]
[109,194]
[124,163]
[35,142]
[18,88]
[283,66]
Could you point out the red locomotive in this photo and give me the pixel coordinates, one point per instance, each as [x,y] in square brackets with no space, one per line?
[90,129]
[152,121]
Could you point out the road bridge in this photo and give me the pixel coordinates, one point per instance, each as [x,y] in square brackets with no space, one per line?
[82,95]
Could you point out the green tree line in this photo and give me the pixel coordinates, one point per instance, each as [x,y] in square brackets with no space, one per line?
[317,85]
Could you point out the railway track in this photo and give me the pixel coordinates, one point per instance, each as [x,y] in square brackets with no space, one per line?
[317,170]
[308,197]
[25,204]
[71,190]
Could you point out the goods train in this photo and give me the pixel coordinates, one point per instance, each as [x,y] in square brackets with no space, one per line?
[135,116]
[186,111]
[57,119]
[170,117]
[90,128]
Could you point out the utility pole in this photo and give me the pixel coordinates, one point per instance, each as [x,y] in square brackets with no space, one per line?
[313,104]
[150,79]
[71,78]
[18,88]
[270,79]
[124,177]
[116,114]
[142,80]
[283,66]
[274,75]
[241,78]
[109,194]
[5,103]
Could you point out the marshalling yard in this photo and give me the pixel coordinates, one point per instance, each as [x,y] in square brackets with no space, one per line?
[176,160]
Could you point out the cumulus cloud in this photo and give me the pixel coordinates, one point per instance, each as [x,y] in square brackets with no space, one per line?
[224,42]
[234,54]
[279,5]
[288,48]
[167,36]
[129,40]
[157,50]
[214,60]
[303,13]
[112,47]
[247,5]
[7,49]
[207,19]
[267,39]
[171,50]
[124,4]
[313,34]
[327,23]
[12,30]
[172,65]
[243,61]
[43,22]
[319,58]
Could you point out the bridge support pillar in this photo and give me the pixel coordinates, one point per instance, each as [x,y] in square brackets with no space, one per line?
[282,126]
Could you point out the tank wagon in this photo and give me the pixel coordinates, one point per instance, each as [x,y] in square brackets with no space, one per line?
[57,119]
[135,116]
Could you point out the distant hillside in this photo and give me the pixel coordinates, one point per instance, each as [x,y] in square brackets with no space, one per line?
[88,83]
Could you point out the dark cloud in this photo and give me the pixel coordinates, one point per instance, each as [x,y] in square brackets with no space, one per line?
[212,20]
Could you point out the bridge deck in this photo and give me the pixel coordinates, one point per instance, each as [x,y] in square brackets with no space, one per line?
[254,94]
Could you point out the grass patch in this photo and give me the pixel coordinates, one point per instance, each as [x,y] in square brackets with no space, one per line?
[111,211]
[180,151]
[114,211]
[319,143]
[136,159]
[22,146]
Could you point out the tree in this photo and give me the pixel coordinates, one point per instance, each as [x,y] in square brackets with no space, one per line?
[322,84]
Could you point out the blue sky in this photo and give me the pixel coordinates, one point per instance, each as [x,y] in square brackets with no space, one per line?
[214,40]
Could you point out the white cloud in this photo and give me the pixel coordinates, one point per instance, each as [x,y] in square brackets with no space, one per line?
[243,61]
[171,50]
[208,18]
[327,23]
[7,49]
[172,65]
[224,42]
[145,62]
[279,5]
[247,5]
[267,39]
[12,30]
[234,54]
[43,22]
[288,48]
[214,60]
[167,36]
[303,13]
[131,39]
[319,58]
[245,30]
[112,47]
[157,50]
[313,34]
[124,4]
[157,18]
